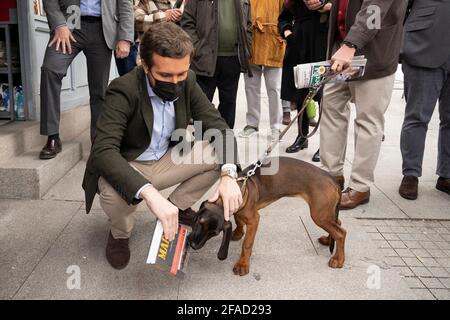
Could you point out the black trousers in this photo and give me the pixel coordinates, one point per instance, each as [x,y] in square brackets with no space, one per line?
[226,79]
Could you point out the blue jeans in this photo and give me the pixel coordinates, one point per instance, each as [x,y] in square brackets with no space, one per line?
[126,65]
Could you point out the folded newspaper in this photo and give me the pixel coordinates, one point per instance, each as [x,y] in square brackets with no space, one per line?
[310,74]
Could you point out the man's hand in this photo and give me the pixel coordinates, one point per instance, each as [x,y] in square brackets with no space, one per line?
[231,195]
[62,36]
[313,4]
[173,15]
[122,49]
[163,209]
[342,58]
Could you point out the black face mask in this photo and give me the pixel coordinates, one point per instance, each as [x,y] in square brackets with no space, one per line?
[168,91]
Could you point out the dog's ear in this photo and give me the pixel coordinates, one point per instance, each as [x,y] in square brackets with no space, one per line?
[227,230]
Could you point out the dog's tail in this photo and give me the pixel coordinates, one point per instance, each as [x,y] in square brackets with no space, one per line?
[332,241]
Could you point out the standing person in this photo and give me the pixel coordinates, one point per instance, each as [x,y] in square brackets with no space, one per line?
[125,65]
[222,35]
[148,12]
[97,28]
[354,29]
[305,32]
[266,58]
[427,80]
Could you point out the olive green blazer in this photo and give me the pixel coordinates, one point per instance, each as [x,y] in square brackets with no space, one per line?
[124,131]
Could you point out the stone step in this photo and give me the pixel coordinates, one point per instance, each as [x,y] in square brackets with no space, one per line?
[27,177]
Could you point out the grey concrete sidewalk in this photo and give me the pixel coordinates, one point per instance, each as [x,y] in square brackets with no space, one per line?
[406,242]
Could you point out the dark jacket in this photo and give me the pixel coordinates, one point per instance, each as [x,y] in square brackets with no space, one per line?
[426,42]
[380,46]
[124,131]
[200,21]
[307,43]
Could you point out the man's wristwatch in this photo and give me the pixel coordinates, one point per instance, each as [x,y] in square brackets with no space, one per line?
[229,170]
[350,45]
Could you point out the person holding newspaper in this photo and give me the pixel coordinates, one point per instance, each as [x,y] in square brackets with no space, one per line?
[372,28]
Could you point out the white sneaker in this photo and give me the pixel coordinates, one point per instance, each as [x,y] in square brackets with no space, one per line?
[248,131]
[275,134]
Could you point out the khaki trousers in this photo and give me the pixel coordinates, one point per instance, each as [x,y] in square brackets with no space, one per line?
[195,179]
[372,98]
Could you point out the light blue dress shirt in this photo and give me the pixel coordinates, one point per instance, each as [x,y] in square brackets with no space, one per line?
[163,126]
[91,8]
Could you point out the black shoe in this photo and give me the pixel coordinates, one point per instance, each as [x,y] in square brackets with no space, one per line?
[316,156]
[51,148]
[117,252]
[443,184]
[300,143]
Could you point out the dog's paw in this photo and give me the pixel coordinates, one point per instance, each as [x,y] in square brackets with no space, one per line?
[237,235]
[325,240]
[241,268]
[336,262]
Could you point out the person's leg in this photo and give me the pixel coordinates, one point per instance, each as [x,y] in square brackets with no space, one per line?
[98,57]
[53,70]
[272,77]
[126,65]
[443,165]
[208,85]
[196,172]
[228,81]
[422,89]
[372,98]
[253,94]
[120,214]
[334,127]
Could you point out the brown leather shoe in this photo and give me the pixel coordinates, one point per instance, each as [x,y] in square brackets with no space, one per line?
[352,198]
[443,184]
[117,252]
[340,180]
[286,118]
[409,187]
[187,217]
[51,149]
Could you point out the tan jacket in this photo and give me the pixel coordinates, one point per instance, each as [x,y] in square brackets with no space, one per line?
[267,46]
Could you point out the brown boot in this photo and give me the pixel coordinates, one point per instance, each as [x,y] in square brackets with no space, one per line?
[187,216]
[352,198]
[443,184]
[117,252]
[408,187]
[340,180]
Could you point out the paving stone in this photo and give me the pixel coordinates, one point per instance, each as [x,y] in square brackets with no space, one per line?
[441,294]
[376,236]
[429,245]
[405,253]
[439,272]
[392,223]
[421,272]
[390,236]
[420,237]
[446,237]
[382,244]
[397,244]
[432,283]
[414,282]
[404,271]
[423,294]
[399,229]
[443,231]
[437,253]
[370,229]
[389,252]
[384,229]
[422,253]
[445,282]
[443,244]
[405,236]
[429,262]
[412,244]
[435,237]
[444,262]
[395,261]
[413,262]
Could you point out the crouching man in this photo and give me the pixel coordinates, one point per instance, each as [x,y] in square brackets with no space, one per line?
[133,155]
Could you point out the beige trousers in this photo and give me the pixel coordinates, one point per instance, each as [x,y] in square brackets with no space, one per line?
[195,177]
[372,98]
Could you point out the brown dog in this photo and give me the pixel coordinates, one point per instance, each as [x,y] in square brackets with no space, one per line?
[295,178]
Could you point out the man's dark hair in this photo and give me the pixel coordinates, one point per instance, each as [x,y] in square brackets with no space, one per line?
[167,40]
